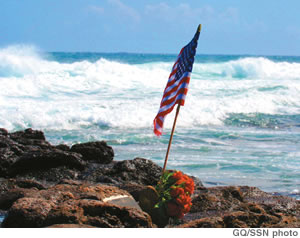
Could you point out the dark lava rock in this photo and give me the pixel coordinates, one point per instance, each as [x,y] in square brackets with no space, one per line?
[28,134]
[41,160]
[97,151]
[62,147]
[3,132]
[7,159]
[137,171]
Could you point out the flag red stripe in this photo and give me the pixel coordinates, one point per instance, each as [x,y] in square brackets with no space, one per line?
[169,101]
[183,80]
[164,113]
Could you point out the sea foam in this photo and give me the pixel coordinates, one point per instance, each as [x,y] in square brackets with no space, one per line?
[43,93]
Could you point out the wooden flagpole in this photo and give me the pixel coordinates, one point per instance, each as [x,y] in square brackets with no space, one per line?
[171,138]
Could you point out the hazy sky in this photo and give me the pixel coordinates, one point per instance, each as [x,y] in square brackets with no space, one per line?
[263,27]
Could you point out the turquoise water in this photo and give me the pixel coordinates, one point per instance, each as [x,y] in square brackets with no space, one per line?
[240,124]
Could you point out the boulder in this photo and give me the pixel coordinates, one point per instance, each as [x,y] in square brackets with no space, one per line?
[98,151]
[3,132]
[137,171]
[28,134]
[46,159]
[7,159]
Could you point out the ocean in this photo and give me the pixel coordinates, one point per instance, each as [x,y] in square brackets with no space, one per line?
[240,124]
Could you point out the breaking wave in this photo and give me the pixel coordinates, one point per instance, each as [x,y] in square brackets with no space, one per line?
[41,92]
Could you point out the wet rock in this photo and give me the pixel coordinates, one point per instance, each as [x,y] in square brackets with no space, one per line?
[97,151]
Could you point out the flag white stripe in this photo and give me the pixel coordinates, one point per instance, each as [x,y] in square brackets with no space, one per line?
[183,85]
[164,108]
[187,74]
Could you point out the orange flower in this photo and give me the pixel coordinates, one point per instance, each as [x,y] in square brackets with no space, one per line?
[189,186]
[180,181]
[177,175]
[187,207]
[176,191]
[183,200]
[175,194]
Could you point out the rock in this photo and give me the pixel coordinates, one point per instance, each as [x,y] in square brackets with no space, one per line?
[101,214]
[97,151]
[28,212]
[123,201]
[7,159]
[3,132]
[270,202]
[207,222]
[148,197]
[28,183]
[62,147]
[137,171]
[7,199]
[29,137]
[28,134]
[242,219]
[216,200]
[46,159]
[241,207]
[50,176]
[79,203]
[13,189]
[133,188]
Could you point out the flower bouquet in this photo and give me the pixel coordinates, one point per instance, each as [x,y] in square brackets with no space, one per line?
[174,192]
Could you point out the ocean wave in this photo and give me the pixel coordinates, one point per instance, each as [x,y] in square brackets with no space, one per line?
[250,68]
[42,93]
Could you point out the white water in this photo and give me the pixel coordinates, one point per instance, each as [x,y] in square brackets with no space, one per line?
[47,94]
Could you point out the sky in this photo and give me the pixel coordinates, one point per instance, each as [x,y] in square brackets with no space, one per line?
[256,27]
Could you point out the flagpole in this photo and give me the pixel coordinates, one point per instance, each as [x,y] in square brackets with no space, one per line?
[171,138]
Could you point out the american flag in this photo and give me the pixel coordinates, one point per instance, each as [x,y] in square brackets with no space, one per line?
[178,82]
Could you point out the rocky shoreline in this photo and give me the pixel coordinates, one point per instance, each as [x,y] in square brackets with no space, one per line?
[42,185]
